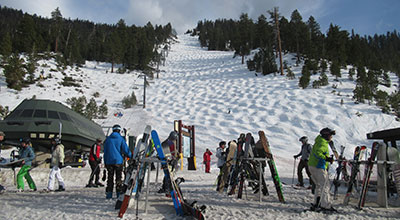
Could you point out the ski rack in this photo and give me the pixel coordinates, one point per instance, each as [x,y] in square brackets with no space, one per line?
[260,160]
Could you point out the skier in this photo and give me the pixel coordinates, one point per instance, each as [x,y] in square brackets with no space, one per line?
[26,153]
[221,155]
[56,163]
[207,159]
[95,161]
[318,165]
[114,149]
[170,144]
[305,154]
[2,136]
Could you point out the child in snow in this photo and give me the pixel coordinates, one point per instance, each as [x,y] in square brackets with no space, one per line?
[305,154]
[207,159]
[318,165]
[56,163]
[26,153]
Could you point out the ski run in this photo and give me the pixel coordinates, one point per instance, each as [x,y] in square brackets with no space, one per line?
[216,93]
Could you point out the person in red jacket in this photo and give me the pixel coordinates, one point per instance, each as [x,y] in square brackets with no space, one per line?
[207,159]
[95,161]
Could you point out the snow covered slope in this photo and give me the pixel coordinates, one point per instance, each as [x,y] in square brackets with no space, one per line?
[216,93]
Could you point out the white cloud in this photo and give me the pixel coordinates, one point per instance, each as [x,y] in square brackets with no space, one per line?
[39,7]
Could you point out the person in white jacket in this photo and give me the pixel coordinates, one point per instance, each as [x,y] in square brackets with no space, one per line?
[56,163]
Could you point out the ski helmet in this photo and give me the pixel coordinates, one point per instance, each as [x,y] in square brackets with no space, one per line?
[173,136]
[303,139]
[326,132]
[56,140]
[116,128]
[25,140]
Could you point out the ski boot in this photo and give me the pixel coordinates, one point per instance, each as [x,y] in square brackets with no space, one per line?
[98,184]
[60,188]
[91,185]
[109,195]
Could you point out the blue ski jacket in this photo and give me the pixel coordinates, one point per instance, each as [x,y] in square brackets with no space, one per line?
[114,147]
[27,154]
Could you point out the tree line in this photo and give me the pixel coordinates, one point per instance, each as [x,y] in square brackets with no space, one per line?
[372,57]
[80,40]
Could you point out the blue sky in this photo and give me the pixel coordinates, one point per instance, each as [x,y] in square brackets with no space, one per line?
[366,17]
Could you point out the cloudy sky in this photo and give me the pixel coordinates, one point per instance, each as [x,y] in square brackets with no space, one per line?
[366,17]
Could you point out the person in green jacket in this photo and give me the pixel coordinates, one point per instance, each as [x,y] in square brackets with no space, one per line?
[318,164]
[26,153]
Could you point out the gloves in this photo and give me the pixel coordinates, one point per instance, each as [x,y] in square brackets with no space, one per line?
[329,159]
[99,160]
[60,165]
[295,156]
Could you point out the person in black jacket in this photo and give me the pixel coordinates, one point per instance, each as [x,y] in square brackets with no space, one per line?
[94,162]
[303,164]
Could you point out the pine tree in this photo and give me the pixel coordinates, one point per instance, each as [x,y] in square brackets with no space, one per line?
[305,78]
[103,109]
[335,69]
[14,72]
[91,109]
[56,27]
[6,45]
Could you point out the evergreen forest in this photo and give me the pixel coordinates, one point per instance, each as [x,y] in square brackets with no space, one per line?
[372,57]
[80,40]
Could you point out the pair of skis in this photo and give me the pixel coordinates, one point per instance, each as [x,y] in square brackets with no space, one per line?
[355,168]
[272,166]
[135,173]
[182,207]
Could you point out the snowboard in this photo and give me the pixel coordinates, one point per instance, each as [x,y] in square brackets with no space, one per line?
[235,170]
[226,169]
[243,165]
[130,175]
[367,175]
[336,180]
[355,167]
[272,166]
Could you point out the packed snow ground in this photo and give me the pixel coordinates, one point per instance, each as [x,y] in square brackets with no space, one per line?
[217,94]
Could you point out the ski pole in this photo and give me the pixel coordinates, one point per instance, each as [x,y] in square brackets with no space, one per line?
[294,168]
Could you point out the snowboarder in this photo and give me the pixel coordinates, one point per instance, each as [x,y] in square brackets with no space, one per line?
[305,154]
[207,159]
[94,162]
[2,136]
[318,165]
[56,163]
[26,153]
[169,143]
[114,148]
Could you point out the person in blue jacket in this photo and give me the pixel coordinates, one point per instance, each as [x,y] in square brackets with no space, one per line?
[115,148]
[26,153]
